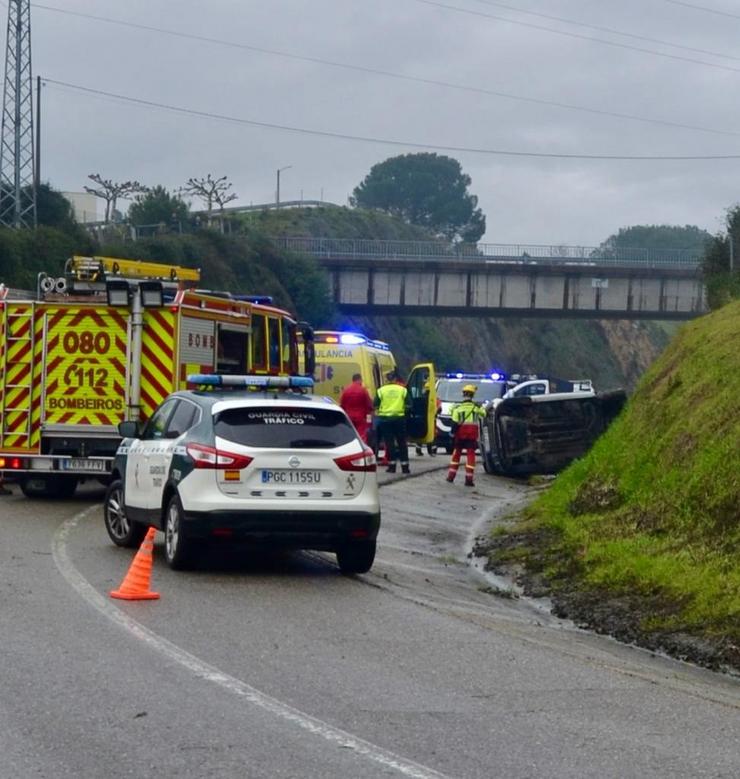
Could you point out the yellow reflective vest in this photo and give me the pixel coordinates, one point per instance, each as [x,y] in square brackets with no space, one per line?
[390,400]
[466,413]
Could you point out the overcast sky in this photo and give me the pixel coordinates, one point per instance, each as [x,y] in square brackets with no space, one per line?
[683,98]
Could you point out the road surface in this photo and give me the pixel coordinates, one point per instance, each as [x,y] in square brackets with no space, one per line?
[277,666]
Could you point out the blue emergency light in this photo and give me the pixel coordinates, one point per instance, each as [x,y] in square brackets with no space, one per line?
[352,339]
[262,382]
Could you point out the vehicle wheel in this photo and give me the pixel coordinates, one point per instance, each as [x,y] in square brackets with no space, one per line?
[122,531]
[48,486]
[356,557]
[66,486]
[487,464]
[178,549]
[504,461]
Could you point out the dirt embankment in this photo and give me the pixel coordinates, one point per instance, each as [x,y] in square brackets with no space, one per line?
[624,617]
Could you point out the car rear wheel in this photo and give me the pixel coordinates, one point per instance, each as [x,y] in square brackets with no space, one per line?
[178,549]
[122,531]
[356,557]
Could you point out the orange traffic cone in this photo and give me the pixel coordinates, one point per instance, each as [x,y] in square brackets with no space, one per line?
[135,585]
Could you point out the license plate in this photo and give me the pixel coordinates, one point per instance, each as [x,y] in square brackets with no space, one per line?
[80,464]
[291,477]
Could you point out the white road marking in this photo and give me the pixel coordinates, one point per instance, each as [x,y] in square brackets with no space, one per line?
[209,673]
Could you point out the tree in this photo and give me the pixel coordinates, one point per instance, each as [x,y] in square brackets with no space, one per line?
[721,262]
[110,191]
[158,206]
[429,190]
[213,192]
[689,237]
[54,210]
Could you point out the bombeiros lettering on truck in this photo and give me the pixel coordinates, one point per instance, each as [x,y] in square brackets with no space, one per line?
[105,343]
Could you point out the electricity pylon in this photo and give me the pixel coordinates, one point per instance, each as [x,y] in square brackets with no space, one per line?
[17,182]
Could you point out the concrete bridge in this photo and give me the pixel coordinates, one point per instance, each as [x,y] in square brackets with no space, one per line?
[502,280]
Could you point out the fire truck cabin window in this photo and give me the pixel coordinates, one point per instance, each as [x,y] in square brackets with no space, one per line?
[259,355]
[274,341]
[290,357]
[232,350]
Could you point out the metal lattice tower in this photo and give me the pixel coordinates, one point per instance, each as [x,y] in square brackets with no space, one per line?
[17,183]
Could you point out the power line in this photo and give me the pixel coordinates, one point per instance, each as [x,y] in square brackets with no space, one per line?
[609,30]
[578,36]
[391,74]
[704,8]
[387,141]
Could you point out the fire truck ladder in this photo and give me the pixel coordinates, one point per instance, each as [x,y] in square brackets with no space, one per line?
[17,376]
[99,268]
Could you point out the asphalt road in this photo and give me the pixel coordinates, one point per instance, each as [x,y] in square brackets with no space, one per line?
[278,666]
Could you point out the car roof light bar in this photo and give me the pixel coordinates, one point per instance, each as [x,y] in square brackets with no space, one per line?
[262,382]
[493,376]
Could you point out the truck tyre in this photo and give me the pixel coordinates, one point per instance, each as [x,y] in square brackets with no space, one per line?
[66,486]
[356,557]
[48,486]
[179,550]
[122,531]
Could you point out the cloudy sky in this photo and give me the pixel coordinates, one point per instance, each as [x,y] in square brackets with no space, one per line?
[468,78]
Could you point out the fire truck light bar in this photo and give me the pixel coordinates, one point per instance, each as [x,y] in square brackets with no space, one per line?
[266,382]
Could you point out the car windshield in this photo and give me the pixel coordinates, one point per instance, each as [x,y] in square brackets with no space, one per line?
[284,427]
[450,390]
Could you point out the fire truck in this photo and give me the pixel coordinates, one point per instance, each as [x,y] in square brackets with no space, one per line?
[107,342]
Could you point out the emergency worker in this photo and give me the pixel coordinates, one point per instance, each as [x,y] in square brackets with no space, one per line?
[356,401]
[465,416]
[391,403]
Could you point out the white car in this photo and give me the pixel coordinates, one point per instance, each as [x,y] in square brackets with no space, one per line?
[266,465]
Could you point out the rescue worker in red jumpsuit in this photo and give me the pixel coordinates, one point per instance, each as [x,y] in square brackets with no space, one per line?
[465,416]
[357,403]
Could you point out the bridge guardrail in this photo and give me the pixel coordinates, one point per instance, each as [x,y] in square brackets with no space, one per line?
[524,253]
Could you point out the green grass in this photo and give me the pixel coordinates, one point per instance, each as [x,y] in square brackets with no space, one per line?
[654,508]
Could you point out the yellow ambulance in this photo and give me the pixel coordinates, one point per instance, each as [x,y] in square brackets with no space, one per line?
[340,354]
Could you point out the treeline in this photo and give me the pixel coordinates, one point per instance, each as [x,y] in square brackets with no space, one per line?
[243,261]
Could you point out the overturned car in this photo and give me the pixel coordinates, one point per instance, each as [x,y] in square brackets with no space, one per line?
[543,433]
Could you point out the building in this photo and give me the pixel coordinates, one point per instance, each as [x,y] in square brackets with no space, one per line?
[85,206]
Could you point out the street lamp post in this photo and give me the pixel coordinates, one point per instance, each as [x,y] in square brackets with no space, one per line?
[277,190]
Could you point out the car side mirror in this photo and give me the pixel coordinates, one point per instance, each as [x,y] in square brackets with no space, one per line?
[129,429]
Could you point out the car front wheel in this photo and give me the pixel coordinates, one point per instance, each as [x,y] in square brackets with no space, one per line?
[178,549]
[122,531]
[356,557]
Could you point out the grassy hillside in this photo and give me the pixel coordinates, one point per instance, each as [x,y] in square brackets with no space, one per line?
[649,521]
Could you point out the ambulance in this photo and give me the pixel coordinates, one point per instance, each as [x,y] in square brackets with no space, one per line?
[107,342]
[340,355]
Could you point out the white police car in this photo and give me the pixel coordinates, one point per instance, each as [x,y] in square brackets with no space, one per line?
[265,464]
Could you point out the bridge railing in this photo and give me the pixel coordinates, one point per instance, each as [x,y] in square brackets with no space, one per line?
[486,252]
